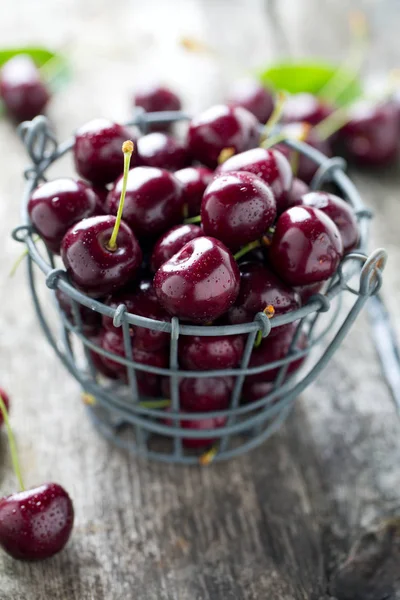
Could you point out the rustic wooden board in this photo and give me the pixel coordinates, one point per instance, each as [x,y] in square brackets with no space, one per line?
[273,524]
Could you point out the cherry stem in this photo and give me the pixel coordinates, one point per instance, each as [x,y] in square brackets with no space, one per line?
[332,123]
[90,400]
[246,249]
[12,444]
[275,116]
[348,71]
[127,149]
[207,458]
[273,141]
[21,257]
[196,219]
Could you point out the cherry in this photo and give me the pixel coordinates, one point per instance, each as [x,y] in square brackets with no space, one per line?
[305,107]
[141,301]
[162,151]
[341,214]
[91,320]
[172,241]
[260,288]
[98,359]
[304,167]
[272,349]
[154,97]
[153,201]
[250,94]
[210,352]
[199,425]
[95,263]
[306,291]
[97,150]
[237,208]
[270,165]
[255,390]
[306,246]
[194,181]
[370,137]
[218,128]
[23,92]
[6,401]
[298,190]
[200,282]
[113,341]
[148,384]
[198,394]
[34,524]
[101,198]
[56,205]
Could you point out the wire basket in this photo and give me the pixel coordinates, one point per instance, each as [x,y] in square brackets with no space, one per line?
[142,425]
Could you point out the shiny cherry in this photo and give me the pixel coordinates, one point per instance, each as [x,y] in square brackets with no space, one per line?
[251,95]
[91,265]
[153,201]
[36,524]
[200,282]
[218,128]
[113,341]
[270,165]
[306,246]
[260,288]
[162,151]
[237,208]
[371,136]
[202,394]
[155,97]
[194,181]
[172,241]
[101,198]
[23,92]
[341,214]
[305,107]
[210,352]
[297,191]
[97,150]
[56,205]
[305,168]
[91,320]
[273,349]
[306,291]
[6,401]
[142,301]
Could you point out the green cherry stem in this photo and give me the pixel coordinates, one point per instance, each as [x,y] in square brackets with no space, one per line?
[332,123]
[246,249]
[196,219]
[127,149]
[12,444]
[275,116]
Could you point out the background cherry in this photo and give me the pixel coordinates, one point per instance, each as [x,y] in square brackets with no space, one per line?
[210,352]
[163,151]
[297,191]
[155,97]
[251,95]
[237,208]
[200,282]
[98,359]
[91,320]
[194,181]
[202,394]
[172,241]
[305,107]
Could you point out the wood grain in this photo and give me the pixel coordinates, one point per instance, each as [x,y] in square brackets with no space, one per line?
[278,522]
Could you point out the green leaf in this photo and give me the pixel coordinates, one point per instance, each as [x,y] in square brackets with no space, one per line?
[310,76]
[53,65]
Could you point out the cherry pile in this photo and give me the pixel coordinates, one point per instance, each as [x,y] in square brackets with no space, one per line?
[211,229]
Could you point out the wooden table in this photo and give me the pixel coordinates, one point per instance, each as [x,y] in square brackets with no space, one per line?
[276,523]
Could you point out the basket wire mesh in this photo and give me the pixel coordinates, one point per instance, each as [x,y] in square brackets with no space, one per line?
[116,408]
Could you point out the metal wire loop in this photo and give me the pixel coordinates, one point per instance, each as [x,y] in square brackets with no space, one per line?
[53,277]
[21,233]
[265,323]
[325,172]
[325,303]
[364,213]
[371,273]
[38,139]
[119,315]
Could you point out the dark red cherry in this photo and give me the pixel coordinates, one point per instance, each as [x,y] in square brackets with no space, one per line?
[194,181]
[113,341]
[6,400]
[97,150]
[306,291]
[298,190]
[371,135]
[162,151]
[36,524]
[91,265]
[172,241]
[98,359]
[305,107]
[56,205]
[210,352]
[270,165]
[202,394]
[23,92]
[218,128]
[305,168]
[237,208]
[91,320]
[273,349]
[250,94]
[255,390]
[148,384]
[155,97]
[306,246]
[153,201]
[259,288]
[143,302]
[101,198]
[341,214]
[200,282]
[213,423]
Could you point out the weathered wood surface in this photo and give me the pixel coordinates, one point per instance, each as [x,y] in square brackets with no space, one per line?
[273,524]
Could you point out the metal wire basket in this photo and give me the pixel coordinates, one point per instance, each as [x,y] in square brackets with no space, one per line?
[140,425]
